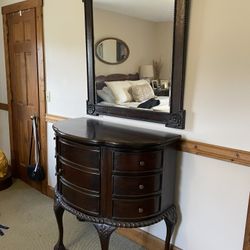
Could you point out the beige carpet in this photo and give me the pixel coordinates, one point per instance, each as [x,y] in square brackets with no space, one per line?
[32,223]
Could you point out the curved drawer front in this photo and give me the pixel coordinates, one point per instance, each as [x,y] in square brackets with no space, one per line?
[80,178]
[86,156]
[139,208]
[83,201]
[140,161]
[136,185]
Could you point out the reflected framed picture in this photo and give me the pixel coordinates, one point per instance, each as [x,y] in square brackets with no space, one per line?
[155,84]
[165,84]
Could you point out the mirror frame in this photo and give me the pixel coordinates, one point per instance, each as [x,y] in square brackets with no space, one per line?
[106,62]
[176,117]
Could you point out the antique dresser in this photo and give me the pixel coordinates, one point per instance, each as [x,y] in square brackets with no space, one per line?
[114,176]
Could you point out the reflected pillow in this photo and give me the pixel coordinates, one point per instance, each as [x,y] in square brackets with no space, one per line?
[121,91]
[139,82]
[106,95]
[142,92]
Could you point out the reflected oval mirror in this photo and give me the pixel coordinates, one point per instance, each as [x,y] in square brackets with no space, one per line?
[111,51]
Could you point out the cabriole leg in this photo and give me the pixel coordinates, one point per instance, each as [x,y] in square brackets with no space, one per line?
[59,218]
[104,232]
[170,220]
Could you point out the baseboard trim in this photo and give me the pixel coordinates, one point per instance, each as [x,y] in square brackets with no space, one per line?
[143,238]
[50,192]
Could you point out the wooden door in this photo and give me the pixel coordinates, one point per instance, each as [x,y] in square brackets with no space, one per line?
[23,66]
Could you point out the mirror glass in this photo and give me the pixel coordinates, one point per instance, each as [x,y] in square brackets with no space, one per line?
[143,80]
[111,51]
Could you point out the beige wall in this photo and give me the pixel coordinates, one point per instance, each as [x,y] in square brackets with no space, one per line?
[164,44]
[136,33]
[146,40]
[212,195]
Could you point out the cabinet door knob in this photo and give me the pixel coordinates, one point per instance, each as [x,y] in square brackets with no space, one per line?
[141,187]
[140,210]
[142,163]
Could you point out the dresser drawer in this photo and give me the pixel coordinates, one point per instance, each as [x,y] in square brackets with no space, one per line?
[136,185]
[85,202]
[85,156]
[78,177]
[141,161]
[139,208]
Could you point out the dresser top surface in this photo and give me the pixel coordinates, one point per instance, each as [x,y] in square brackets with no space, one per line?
[106,133]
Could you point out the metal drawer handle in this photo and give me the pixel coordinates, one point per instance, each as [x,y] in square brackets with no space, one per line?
[142,163]
[141,187]
[140,210]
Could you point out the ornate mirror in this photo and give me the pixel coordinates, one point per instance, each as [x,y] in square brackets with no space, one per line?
[136,59]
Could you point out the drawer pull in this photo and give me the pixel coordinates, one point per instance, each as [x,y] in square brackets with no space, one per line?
[140,210]
[142,163]
[141,187]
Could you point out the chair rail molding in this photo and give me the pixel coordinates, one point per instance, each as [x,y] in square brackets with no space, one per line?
[232,155]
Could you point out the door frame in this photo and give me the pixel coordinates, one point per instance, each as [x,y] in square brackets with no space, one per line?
[38,5]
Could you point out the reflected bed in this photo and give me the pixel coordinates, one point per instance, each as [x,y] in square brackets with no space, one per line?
[128,91]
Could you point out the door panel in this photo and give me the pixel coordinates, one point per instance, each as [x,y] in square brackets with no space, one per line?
[24,84]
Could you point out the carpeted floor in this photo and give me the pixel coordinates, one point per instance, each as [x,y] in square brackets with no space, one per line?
[32,223]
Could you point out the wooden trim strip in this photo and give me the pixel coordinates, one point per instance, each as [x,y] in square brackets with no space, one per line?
[208,150]
[247,232]
[54,118]
[217,152]
[142,238]
[4,106]
[22,6]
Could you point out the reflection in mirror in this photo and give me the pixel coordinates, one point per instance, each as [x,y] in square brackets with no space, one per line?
[112,51]
[147,28]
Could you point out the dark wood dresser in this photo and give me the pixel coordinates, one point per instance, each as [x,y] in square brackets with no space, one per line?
[114,176]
